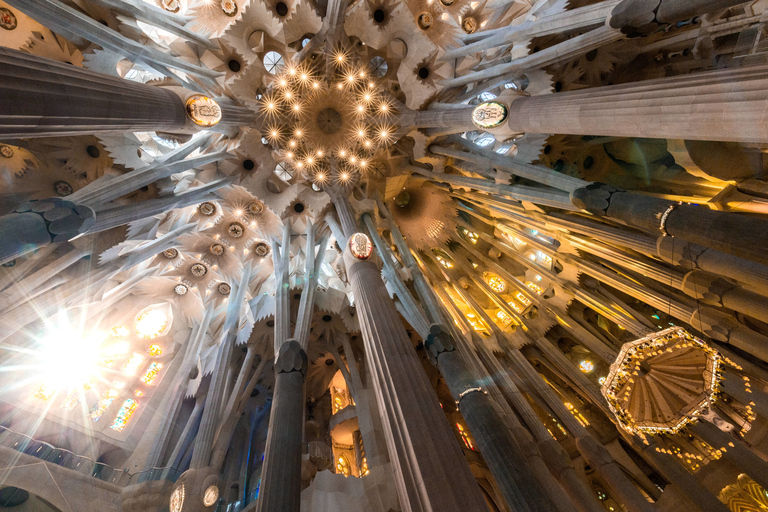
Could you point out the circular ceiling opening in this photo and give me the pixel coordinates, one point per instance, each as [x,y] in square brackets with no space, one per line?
[378,16]
[423,73]
[93,151]
[248,165]
[234,65]
[298,207]
[281,9]
[327,318]
[329,121]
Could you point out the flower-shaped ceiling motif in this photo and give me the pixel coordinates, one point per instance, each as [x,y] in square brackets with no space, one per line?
[327,118]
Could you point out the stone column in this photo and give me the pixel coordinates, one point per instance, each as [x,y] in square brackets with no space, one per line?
[593,452]
[45,98]
[281,476]
[732,233]
[643,16]
[726,105]
[211,420]
[734,451]
[430,470]
[501,452]
[38,223]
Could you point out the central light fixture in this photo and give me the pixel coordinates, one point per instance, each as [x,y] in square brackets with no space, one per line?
[326,120]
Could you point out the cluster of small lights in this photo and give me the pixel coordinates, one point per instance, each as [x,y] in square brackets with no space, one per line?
[586,366]
[344,95]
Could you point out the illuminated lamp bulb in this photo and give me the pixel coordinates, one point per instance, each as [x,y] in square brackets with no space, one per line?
[370,85]
[344,176]
[319,153]
[367,143]
[363,163]
[352,159]
[288,94]
[341,86]
[298,133]
[296,107]
[238,213]
[274,133]
[343,153]
[367,97]
[299,165]
[289,155]
[351,78]
[362,74]
[360,108]
[361,133]
[292,71]
[283,83]
[293,143]
[384,134]
[271,106]
[315,85]
[321,177]
[383,108]
[304,76]
[340,57]
[310,160]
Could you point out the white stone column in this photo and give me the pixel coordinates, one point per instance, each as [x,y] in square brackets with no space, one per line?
[44,98]
[430,471]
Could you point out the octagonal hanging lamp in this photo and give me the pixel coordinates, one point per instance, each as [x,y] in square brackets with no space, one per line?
[660,382]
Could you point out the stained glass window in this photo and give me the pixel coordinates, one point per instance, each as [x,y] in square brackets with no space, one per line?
[106,400]
[44,392]
[124,414]
[73,398]
[152,372]
[342,466]
[133,363]
[151,324]
[155,350]
[465,437]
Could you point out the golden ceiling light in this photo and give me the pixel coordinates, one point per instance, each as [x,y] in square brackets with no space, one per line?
[658,365]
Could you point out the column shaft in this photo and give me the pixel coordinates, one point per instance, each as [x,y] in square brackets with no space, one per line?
[430,470]
[727,105]
[281,476]
[499,449]
[44,98]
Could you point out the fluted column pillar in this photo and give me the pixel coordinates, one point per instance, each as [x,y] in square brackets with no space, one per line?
[725,105]
[45,98]
[430,471]
[281,476]
[501,452]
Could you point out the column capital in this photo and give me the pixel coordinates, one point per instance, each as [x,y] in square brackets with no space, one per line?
[438,342]
[63,219]
[291,358]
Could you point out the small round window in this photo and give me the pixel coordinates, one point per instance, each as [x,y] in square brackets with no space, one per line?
[282,172]
[273,62]
[379,66]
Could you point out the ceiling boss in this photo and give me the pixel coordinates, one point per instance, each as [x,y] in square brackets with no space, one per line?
[327,118]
